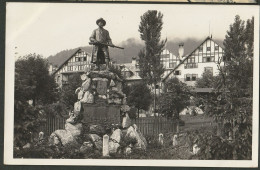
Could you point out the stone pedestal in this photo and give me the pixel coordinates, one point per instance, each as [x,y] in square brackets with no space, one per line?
[96,114]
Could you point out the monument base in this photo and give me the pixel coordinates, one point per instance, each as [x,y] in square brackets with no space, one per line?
[104,115]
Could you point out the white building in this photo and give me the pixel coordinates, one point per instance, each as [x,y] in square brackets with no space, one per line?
[131,71]
[189,68]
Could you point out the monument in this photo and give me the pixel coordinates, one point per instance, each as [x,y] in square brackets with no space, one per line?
[101,106]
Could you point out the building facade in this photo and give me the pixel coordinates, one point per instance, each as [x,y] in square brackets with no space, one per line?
[131,71]
[207,56]
[77,63]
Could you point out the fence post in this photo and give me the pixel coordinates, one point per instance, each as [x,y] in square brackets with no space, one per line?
[177,126]
[161,139]
[105,145]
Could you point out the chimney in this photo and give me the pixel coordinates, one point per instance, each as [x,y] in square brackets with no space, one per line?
[181,50]
[134,60]
[50,68]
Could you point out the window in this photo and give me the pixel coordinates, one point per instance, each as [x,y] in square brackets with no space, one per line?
[187,77]
[177,72]
[191,65]
[80,67]
[70,68]
[216,48]
[172,65]
[208,69]
[84,58]
[200,49]
[208,59]
[194,77]
[191,60]
[208,48]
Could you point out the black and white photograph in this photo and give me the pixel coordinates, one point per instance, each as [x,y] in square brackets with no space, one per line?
[131,84]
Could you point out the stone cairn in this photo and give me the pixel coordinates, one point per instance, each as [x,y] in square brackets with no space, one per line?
[100,88]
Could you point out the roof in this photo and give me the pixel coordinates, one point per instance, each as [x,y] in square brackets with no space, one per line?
[186,57]
[77,50]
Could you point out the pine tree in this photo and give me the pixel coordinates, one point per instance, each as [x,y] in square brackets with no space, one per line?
[150,32]
[233,107]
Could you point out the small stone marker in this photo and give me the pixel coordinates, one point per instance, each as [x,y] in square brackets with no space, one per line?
[161,138]
[105,145]
[174,141]
[195,149]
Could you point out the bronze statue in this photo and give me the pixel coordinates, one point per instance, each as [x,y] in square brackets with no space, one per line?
[101,40]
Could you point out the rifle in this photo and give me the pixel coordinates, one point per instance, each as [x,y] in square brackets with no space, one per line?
[99,43]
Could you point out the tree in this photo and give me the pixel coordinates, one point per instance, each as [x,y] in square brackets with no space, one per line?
[233,109]
[32,80]
[206,81]
[149,58]
[139,97]
[67,93]
[175,98]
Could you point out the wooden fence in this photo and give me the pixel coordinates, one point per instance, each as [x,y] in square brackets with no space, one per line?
[52,124]
[156,125]
[147,125]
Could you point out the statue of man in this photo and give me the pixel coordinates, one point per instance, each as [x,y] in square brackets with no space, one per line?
[100,53]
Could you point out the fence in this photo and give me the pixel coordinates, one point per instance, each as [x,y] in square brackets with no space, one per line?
[156,125]
[147,125]
[52,124]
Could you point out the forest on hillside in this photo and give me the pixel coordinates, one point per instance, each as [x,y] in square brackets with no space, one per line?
[132,47]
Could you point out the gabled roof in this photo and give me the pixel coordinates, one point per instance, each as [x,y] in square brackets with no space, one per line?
[187,56]
[77,50]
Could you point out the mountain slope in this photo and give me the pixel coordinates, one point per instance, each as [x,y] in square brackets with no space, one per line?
[132,47]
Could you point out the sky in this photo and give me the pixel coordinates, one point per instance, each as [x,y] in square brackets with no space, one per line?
[48,28]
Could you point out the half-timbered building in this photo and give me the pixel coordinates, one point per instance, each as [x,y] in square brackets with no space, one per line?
[207,56]
[77,63]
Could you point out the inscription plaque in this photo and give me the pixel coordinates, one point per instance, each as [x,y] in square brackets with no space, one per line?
[101,114]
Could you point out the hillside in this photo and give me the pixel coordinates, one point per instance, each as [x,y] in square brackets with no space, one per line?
[132,47]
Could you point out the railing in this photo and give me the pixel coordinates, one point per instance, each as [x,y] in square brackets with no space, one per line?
[155,125]
[149,126]
[52,124]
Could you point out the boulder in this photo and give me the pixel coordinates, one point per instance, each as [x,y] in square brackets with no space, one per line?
[85,147]
[67,136]
[87,98]
[112,83]
[80,94]
[125,108]
[128,150]
[27,146]
[77,107]
[134,134]
[114,141]
[75,129]
[62,136]
[97,129]
[54,140]
[77,90]
[97,141]
[83,77]
[86,84]
[126,121]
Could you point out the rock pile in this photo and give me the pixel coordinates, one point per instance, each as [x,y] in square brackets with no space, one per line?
[105,88]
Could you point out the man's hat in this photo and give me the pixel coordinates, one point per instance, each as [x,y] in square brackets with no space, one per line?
[101,20]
